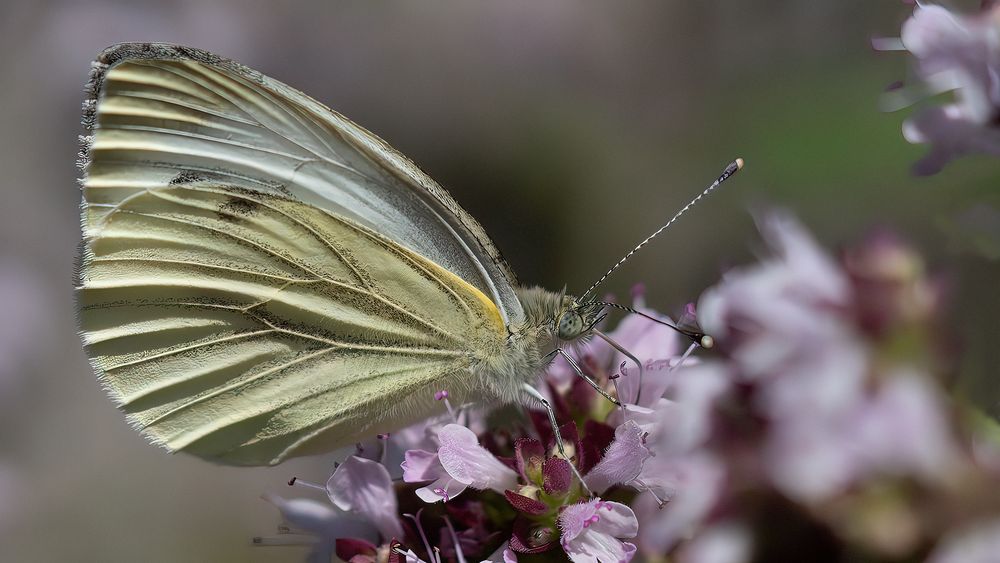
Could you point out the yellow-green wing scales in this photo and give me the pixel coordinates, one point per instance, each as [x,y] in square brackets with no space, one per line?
[248,327]
[157,112]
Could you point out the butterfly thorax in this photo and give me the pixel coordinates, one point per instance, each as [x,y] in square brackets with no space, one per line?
[549,318]
[565,317]
[542,308]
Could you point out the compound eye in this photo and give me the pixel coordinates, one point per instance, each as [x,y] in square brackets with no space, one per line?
[570,325]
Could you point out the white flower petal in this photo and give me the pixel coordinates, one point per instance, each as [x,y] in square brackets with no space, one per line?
[364,486]
[469,463]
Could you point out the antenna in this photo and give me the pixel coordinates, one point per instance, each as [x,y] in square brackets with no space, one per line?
[699,338]
[734,167]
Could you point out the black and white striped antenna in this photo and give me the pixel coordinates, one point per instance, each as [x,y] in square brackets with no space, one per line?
[734,167]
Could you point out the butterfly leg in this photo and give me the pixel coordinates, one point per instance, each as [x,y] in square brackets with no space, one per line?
[576,367]
[628,355]
[534,394]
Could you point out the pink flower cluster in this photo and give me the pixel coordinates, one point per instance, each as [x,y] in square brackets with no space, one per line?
[819,431]
[952,52]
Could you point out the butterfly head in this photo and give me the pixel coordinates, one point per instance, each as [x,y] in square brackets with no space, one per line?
[578,319]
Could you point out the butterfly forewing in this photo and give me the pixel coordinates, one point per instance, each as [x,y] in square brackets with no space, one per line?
[163,114]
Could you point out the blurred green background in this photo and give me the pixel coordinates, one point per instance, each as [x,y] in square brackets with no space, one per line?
[570,129]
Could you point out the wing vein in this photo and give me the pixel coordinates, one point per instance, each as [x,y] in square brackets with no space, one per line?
[207,138]
[346,261]
[203,265]
[176,351]
[152,96]
[364,347]
[237,384]
[233,98]
[210,171]
[213,75]
[229,234]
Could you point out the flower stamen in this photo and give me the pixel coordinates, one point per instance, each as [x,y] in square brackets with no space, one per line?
[308,484]
[659,501]
[442,395]
[383,442]
[454,539]
[420,530]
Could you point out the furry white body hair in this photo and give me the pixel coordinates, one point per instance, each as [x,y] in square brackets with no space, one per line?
[524,355]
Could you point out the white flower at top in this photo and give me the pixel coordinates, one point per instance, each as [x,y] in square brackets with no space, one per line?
[957,53]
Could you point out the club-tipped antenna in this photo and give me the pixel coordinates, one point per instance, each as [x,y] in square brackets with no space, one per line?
[699,338]
[734,167]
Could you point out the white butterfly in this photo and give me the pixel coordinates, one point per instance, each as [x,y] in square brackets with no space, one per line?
[261,278]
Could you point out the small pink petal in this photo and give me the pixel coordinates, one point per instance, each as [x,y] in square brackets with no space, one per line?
[364,486]
[529,454]
[469,463]
[557,476]
[442,490]
[591,531]
[622,461]
[525,504]
[420,465]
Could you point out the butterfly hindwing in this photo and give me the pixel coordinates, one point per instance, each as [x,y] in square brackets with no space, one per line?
[248,327]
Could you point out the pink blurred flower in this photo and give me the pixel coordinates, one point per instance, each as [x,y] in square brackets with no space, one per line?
[959,53]
[687,412]
[322,521]
[353,550]
[681,483]
[459,462]
[979,543]
[899,429]
[903,429]
[695,483]
[790,326]
[786,326]
[364,487]
[891,289]
[591,531]
[786,314]
[722,543]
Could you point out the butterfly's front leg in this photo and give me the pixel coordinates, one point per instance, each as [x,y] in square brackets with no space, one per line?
[590,380]
[560,445]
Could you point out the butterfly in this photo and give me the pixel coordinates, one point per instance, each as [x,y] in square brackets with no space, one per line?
[260,278]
